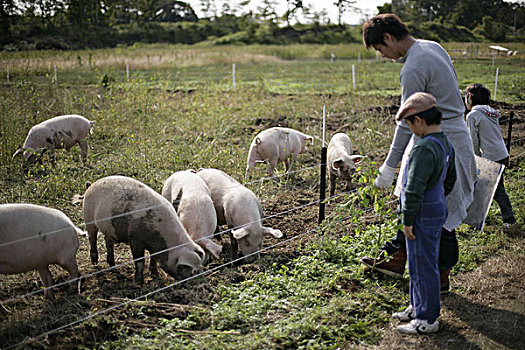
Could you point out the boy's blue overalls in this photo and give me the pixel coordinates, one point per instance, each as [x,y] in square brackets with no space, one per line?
[424,250]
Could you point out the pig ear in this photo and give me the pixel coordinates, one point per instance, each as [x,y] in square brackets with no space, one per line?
[336,164]
[270,231]
[191,258]
[311,139]
[214,248]
[240,233]
[18,151]
[357,158]
[200,252]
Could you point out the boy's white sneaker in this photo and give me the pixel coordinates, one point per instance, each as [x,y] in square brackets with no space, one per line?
[405,315]
[419,327]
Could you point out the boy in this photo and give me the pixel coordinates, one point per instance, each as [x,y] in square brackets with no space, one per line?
[429,176]
[483,123]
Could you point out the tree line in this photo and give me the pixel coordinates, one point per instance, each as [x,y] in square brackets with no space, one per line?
[74,24]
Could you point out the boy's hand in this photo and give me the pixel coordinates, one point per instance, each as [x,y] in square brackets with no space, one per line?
[407,230]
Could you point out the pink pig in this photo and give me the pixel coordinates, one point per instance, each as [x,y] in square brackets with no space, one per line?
[63,131]
[276,145]
[32,237]
[341,161]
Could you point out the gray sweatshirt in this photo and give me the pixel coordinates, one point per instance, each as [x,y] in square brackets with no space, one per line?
[428,68]
[483,123]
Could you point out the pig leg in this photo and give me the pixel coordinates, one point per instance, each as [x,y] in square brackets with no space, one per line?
[137,251]
[234,246]
[93,250]
[332,185]
[83,150]
[53,158]
[70,265]
[153,270]
[249,172]
[288,164]
[110,258]
[272,164]
[45,275]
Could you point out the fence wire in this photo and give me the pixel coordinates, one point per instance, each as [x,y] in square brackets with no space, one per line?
[74,280]
[209,271]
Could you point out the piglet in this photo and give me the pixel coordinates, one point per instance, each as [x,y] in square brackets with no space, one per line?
[192,200]
[126,210]
[32,237]
[239,208]
[63,131]
[341,161]
[276,145]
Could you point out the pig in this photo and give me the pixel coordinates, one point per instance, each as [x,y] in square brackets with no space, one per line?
[276,145]
[341,161]
[239,208]
[191,199]
[63,131]
[32,237]
[126,210]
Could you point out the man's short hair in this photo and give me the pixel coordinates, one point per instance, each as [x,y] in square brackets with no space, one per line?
[431,116]
[374,29]
[479,94]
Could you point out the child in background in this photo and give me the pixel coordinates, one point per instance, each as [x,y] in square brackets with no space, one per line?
[483,123]
[430,175]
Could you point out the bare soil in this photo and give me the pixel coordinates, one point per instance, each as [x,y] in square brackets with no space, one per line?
[485,310]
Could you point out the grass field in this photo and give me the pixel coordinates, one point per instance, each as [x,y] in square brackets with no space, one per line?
[180,110]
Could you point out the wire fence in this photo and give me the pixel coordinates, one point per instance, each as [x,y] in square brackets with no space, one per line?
[170,248]
[176,283]
[144,296]
[260,180]
[229,263]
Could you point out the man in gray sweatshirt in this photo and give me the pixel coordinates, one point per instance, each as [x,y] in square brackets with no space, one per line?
[483,123]
[427,68]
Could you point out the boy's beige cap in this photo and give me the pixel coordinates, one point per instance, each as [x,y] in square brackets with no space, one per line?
[418,102]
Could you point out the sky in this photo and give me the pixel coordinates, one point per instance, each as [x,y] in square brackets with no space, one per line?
[368,7]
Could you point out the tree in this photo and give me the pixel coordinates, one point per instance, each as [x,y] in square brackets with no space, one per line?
[266,11]
[293,7]
[208,8]
[173,11]
[7,9]
[467,13]
[342,7]
[493,30]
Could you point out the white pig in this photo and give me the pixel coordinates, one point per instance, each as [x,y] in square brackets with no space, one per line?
[126,210]
[32,237]
[239,208]
[63,131]
[276,145]
[341,161]
[194,207]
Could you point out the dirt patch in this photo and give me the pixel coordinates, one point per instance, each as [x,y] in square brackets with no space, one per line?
[485,310]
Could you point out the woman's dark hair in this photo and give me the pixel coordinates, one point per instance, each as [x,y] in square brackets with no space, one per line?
[479,95]
[374,29]
[431,116]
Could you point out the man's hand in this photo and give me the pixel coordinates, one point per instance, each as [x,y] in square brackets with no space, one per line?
[385,177]
[407,230]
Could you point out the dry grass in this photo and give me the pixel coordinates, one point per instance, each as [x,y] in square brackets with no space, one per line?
[486,309]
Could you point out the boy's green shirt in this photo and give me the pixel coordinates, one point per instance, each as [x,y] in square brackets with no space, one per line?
[425,165]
